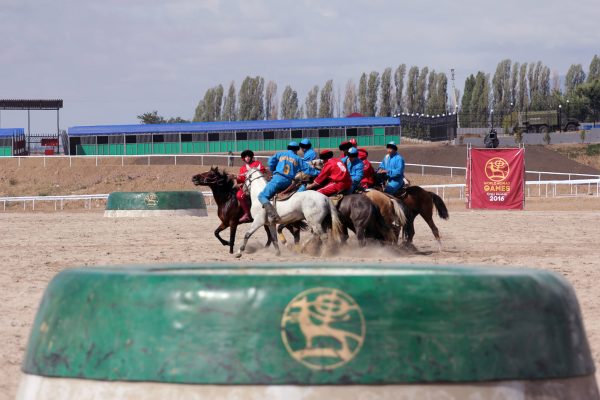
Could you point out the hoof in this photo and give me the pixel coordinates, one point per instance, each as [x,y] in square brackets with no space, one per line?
[238,255]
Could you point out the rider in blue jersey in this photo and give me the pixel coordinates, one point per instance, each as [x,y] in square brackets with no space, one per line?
[393,167]
[308,153]
[355,167]
[284,165]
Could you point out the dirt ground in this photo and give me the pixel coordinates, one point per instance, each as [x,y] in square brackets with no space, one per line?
[553,234]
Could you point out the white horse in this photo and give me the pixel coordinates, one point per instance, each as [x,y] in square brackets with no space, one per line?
[318,211]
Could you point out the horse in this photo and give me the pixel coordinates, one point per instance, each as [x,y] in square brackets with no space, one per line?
[318,211]
[365,217]
[419,201]
[361,216]
[228,208]
[391,209]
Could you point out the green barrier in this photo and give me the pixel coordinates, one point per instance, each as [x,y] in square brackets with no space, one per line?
[300,325]
[127,204]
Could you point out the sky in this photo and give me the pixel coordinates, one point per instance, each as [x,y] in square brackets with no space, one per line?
[112,60]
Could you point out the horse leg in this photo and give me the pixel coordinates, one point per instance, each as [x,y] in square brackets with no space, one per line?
[434,230]
[221,228]
[253,228]
[232,230]
[269,241]
[273,233]
[280,234]
[408,231]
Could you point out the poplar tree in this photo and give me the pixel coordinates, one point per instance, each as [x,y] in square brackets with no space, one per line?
[312,103]
[522,99]
[575,77]
[594,71]
[229,113]
[372,91]
[271,100]
[385,104]
[289,103]
[421,90]
[350,98]
[251,97]
[465,110]
[327,100]
[399,87]
[411,90]
[362,94]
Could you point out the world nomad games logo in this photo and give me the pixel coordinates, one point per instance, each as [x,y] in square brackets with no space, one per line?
[151,200]
[323,328]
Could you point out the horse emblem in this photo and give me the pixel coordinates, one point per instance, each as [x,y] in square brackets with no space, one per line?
[151,200]
[497,169]
[323,328]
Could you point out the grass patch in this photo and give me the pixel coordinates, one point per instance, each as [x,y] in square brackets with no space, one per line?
[593,150]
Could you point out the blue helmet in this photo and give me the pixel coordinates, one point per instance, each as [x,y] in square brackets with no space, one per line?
[293,146]
[352,151]
[392,145]
[305,143]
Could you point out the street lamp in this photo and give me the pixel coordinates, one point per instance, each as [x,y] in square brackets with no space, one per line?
[511,111]
[559,117]
[492,117]
[567,109]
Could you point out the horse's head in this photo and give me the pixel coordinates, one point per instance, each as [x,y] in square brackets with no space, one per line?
[212,177]
[251,175]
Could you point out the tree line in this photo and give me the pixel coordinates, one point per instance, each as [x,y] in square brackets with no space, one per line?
[513,87]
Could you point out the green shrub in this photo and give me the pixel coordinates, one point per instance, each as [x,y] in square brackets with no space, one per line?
[593,150]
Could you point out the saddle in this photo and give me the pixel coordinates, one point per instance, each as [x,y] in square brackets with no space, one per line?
[288,192]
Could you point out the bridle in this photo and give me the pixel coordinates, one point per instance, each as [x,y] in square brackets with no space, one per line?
[249,179]
[215,179]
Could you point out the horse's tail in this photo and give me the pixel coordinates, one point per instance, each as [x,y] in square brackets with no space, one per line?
[337,228]
[440,205]
[399,211]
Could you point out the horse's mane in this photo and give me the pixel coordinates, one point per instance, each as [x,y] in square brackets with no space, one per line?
[224,179]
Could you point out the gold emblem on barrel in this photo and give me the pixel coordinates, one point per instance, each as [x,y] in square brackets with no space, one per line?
[151,200]
[323,328]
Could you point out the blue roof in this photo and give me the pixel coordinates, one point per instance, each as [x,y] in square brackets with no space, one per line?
[11,132]
[271,125]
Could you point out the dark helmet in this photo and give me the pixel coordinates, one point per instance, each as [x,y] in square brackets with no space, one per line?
[345,146]
[293,146]
[305,144]
[391,145]
[247,153]
[325,155]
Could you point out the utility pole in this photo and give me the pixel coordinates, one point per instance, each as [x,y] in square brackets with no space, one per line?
[454,96]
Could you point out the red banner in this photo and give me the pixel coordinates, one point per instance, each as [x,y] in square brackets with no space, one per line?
[495,179]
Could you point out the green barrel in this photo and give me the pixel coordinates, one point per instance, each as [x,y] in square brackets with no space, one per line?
[319,327]
[144,204]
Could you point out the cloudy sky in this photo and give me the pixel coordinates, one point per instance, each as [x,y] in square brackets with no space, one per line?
[112,60]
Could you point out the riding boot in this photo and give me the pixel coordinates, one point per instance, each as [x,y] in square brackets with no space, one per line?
[271,212]
[246,207]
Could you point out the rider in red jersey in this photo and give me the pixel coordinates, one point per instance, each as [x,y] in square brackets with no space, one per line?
[334,177]
[243,197]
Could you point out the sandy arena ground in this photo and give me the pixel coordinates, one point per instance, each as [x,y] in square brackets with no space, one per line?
[558,235]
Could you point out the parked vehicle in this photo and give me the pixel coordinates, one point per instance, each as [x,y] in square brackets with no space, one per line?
[544,121]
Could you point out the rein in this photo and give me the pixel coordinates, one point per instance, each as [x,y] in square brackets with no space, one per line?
[249,179]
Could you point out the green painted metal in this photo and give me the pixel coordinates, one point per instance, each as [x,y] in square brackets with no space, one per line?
[5,151]
[378,131]
[179,200]
[214,324]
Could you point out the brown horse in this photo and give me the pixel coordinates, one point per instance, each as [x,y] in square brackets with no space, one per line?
[228,208]
[418,201]
[391,209]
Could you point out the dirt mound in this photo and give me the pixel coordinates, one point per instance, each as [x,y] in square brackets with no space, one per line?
[58,177]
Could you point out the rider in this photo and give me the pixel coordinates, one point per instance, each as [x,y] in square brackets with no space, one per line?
[355,167]
[392,166]
[243,198]
[308,154]
[334,177]
[368,180]
[284,166]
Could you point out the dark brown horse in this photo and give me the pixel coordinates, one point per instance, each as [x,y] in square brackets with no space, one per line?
[362,217]
[418,201]
[228,209]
